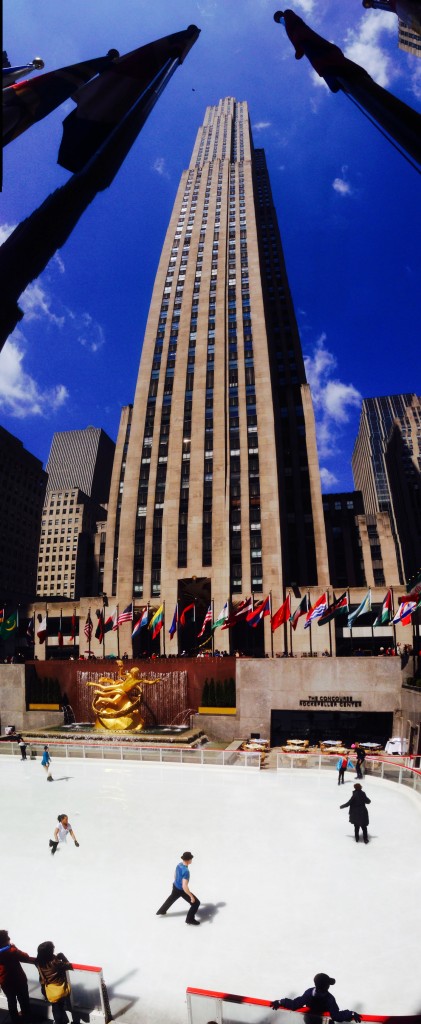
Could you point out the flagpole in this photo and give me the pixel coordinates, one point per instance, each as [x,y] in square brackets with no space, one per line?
[163,626]
[309,632]
[89,633]
[118,631]
[212,629]
[290,639]
[46,630]
[74,630]
[103,632]
[350,628]
[393,616]
[271,631]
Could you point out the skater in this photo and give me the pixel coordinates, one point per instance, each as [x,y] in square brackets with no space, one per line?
[342,765]
[62,830]
[181,888]
[358,813]
[55,988]
[319,1000]
[22,745]
[360,752]
[46,761]
[13,979]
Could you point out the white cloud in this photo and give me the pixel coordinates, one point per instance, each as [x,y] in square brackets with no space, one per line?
[260,125]
[160,167]
[36,303]
[363,45]
[342,187]
[334,401]
[5,231]
[328,479]
[20,395]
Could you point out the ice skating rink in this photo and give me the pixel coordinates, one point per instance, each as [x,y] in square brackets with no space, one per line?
[285,891]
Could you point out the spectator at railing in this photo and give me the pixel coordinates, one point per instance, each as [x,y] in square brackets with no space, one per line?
[318,1000]
[55,988]
[13,979]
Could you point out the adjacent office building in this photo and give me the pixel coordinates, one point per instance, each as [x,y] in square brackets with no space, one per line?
[216,489]
[386,464]
[79,472]
[22,490]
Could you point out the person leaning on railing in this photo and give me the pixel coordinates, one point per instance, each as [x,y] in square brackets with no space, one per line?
[318,1000]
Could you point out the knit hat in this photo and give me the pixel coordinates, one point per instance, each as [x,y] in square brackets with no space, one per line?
[187,855]
[322,982]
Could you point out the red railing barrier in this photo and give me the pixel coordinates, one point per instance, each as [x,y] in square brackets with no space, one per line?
[86,967]
[229,997]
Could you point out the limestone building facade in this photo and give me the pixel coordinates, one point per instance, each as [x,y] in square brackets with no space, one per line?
[216,493]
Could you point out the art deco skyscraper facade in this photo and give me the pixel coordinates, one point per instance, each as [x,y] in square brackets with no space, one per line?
[386,465]
[216,478]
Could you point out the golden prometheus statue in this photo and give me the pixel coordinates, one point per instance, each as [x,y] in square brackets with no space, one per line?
[117,702]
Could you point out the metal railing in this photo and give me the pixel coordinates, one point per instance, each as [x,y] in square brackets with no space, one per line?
[88,993]
[396,769]
[168,754]
[208,1007]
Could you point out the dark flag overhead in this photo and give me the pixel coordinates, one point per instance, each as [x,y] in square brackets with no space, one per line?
[25,103]
[339,606]
[119,116]
[402,123]
[104,102]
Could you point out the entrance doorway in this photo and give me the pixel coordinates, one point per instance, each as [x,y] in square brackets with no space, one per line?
[194,598]
[347,726]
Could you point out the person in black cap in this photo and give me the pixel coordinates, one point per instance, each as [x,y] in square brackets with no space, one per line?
[181,888]
[318,999]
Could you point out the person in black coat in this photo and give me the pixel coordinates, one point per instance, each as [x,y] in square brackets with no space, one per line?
[358,813]
[360,752]
[318,1000]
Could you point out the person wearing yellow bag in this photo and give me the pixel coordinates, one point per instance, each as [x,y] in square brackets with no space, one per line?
[55,988]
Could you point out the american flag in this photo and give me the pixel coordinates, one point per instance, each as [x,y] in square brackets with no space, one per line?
[126,616]
[88,627]
[208,618]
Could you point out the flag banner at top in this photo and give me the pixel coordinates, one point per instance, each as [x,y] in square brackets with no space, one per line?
[339,606]
[316,610]
[362,609]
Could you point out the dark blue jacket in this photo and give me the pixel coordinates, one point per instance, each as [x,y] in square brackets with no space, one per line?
[318,1002]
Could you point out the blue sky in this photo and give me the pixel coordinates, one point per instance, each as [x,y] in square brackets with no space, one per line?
[347,203]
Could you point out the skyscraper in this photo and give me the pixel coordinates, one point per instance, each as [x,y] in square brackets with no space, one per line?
[386,465]
[79,473]
[216,490]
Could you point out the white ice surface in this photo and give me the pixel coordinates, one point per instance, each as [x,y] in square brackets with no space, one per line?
[285,890]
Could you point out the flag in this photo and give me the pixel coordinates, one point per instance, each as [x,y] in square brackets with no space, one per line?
[208,618]
[142,621]
[60,631]
[316,610]
[73,628]
[30,634]
[258,613]
[42,628]
[173,626]
[404,612]
[99,632]
[339,606]
[302,609]
[157,621]
[126,616]
[111,621]
[9,625]
[222,617]
[88,627]
[25,103]
[282,615]
[386,613]
[188,607]
[241,612]
[364,607]
[102,104]
[1,616]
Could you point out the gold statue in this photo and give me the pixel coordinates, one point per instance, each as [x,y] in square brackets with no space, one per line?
[117,702]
